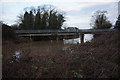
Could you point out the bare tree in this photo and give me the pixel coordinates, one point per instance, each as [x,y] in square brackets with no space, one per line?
[100,21]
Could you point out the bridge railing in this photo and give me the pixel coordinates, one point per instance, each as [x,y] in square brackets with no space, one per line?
[95,30]
[37,31]
[63,31]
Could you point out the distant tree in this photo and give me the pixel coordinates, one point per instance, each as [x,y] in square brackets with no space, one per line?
[20,19]
[61,20]
[25,21]
[44,17]
[100,21]
[117,24]
[28,21]
[53,20]
[50,19]
[44,21]
[37,24]
[31,20]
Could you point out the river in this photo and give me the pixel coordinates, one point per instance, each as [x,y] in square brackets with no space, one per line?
[52,46]
[41,47]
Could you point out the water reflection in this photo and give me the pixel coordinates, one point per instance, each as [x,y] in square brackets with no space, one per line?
[17,54]
[87,37]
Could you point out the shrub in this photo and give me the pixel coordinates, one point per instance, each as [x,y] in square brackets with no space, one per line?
[8,33]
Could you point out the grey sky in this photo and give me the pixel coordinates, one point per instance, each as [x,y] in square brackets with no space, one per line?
[78,13]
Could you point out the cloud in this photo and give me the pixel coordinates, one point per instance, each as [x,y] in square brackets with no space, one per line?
[81,16]
[59,0]
[7,18]
[80,21]
[77,5]
[98,0]
[78,12]
[83,5]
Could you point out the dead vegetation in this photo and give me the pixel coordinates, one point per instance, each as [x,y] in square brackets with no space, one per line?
[96,59]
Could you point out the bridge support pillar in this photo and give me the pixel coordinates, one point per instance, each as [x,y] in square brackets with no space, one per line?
[81,38]
[30,38]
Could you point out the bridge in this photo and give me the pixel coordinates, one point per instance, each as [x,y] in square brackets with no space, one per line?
[61,33]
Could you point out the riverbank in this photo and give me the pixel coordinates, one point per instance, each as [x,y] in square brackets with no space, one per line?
[95,59]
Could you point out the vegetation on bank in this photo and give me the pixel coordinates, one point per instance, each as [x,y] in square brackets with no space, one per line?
[8,35]
[96,59]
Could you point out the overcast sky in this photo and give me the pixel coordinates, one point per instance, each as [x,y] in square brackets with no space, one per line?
[78,12]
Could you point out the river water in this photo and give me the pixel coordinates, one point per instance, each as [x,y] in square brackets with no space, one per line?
[37,48]
[87,37]
[52,46]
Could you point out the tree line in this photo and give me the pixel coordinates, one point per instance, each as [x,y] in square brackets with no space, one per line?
[42,17]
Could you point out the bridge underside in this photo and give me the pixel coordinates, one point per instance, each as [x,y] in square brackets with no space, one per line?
[50,36]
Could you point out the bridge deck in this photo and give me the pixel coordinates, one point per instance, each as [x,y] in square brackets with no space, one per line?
[64,33]
[84,31]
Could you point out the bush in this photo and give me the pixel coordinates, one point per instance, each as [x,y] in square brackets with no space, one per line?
[8,33]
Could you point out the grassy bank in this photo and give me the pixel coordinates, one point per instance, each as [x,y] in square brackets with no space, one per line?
[96,59]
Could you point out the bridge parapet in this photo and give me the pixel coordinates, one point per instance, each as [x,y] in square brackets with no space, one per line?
[37,31]
[63,31]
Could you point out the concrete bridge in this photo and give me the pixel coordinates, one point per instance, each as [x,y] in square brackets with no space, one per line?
[61,33]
